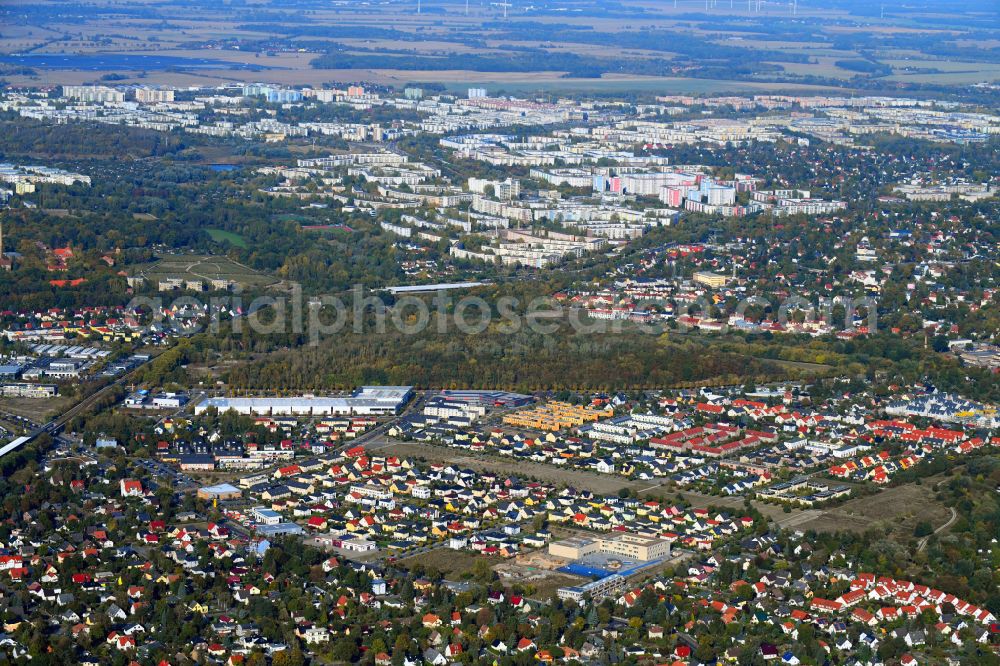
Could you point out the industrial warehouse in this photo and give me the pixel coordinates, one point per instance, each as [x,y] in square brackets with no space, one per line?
[365,400]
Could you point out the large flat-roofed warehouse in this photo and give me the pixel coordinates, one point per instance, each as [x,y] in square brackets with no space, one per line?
[633,546]
[365,400]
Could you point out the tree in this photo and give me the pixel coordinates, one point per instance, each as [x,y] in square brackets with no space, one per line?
[482,571]
[345,650]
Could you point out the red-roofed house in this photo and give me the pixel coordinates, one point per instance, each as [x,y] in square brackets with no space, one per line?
[131,488]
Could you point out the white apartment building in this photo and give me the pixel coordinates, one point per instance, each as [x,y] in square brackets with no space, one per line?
[153,95]
[93,94]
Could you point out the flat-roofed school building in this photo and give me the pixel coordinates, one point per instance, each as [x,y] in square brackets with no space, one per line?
[633,546]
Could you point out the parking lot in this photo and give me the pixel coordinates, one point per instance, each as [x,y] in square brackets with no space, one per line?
[168,473]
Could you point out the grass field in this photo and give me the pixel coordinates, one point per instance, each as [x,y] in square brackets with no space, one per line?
[824,66]
[899,508]
[38,410]
[814,368]
[221,235]
[451,563]
[949,71]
